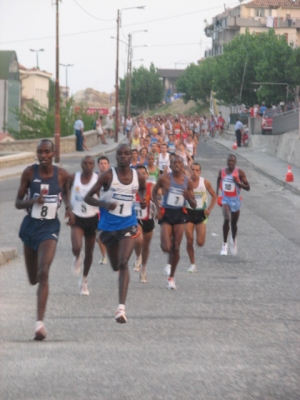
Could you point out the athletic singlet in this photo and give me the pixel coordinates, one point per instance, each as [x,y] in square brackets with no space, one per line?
[123,216]
[153,176]
[51,192]
[135,143]
[163,162]
[146,213]
[200,195]
[153,139]
[190,148]
[171,147]
[184,158]
[197,126]
[174,198]
[227,185]
[78,193]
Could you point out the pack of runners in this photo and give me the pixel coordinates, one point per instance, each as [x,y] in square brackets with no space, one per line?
[156,177]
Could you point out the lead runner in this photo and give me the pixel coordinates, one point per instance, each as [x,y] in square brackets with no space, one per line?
[118,222]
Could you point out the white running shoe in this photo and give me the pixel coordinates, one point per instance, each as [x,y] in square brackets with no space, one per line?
[137,264]
[192,268]
[40,332]
[224,249]
[167,270]
[120,316]
[171,284]
[76,265]
[233,246]
[103,261]
[83,286]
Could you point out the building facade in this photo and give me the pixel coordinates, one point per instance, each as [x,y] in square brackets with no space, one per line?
[35,85]
[257,16]
[10,91]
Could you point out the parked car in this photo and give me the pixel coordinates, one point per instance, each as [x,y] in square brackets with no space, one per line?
[267,120]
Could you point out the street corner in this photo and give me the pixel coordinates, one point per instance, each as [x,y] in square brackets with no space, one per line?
[7,254]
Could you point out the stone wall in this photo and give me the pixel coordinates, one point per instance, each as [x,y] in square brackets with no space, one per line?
[67,144]
[286,147]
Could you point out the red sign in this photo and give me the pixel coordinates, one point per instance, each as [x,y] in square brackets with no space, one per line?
[93,110]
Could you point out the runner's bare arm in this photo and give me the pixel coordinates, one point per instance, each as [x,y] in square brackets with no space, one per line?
[21,201]
[104,181]
[142,190]
[243,182]
[214,197]
[218,183]
[64,179]
[189,195]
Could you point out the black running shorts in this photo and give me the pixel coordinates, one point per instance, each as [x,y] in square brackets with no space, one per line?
[173,216]
[146,224]
[195,216]
[111,237]
[88,225]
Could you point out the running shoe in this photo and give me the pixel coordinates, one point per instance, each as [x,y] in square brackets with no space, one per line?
[137,264]
[120,316]
[224,249]
[76,265]
[171,284]
[40,332]
[103,261]
[233,246]
[192,268]
[167,270]
[143,277]
[83,286]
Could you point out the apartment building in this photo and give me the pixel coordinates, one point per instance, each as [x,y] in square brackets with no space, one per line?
[35,85]
[257,16]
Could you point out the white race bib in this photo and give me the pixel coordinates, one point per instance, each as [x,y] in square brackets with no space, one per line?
[139,212]
[199,200]
[124,204]
[175,198]
[48,210]
[228,186]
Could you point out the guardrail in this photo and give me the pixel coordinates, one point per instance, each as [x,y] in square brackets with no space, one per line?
[286,122]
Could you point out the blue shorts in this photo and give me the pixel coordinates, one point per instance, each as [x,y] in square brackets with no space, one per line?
[233,202]
[35,231]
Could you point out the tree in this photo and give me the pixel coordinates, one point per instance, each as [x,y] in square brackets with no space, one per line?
[146,87]
[196,81]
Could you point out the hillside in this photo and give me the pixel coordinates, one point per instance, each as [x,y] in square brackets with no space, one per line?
[179,107]
[93,98]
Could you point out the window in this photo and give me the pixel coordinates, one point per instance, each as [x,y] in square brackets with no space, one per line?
[259,12]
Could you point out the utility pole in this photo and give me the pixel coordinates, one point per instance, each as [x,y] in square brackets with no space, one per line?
[127,83]
[130,82]
[117,82]
[57,94]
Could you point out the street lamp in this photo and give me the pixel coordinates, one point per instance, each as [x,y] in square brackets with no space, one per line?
[117,68]
[37,56]
[67,66]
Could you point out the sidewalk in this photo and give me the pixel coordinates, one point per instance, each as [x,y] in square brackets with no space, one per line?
[99,149]
[272,167]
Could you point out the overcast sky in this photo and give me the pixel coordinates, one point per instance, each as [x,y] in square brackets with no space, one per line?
[175,35]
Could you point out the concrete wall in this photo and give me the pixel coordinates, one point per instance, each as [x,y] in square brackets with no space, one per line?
[286,147]
[67,144]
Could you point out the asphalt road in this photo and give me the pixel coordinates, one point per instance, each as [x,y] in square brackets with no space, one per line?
[231,331]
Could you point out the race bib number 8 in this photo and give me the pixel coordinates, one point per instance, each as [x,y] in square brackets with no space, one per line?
[47,210]
[124,204]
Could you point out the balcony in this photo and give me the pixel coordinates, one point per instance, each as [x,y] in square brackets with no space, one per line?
[237,22]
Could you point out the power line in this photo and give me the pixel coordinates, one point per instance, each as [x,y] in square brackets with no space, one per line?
[113,27]
[91,15]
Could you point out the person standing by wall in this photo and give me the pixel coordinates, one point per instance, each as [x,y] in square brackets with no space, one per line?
[239,129]
[79,127]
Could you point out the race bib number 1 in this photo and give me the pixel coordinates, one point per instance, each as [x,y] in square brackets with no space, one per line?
[124,204]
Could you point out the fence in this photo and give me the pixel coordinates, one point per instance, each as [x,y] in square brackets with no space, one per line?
[286,122]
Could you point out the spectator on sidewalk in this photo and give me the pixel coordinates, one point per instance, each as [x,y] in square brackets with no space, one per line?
[79,127]
[239,129]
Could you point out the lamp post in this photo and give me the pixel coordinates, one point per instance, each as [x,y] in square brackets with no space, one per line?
[117,69]
[67,66]
[37,56]
[57,94]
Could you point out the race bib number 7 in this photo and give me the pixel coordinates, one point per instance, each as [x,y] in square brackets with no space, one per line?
[175,198]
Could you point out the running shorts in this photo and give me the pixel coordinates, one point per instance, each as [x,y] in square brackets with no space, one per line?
[233,202]
[35,231]
[147,225]
[88,225]
[173,216]
[111,237]
[195,216]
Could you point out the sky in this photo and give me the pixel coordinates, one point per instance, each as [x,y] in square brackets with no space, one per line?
[175,36]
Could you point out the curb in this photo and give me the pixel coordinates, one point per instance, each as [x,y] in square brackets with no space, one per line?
[7,254]
[280,182]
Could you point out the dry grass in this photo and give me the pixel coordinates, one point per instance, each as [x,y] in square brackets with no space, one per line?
[179,107]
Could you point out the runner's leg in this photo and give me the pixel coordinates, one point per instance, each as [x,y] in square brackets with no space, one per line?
[31,262]
[234,219]
[201,234]
[175,256]
[189,233]
[125,250]
[45,255]
[226,215]
[76,240]
[89,244]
